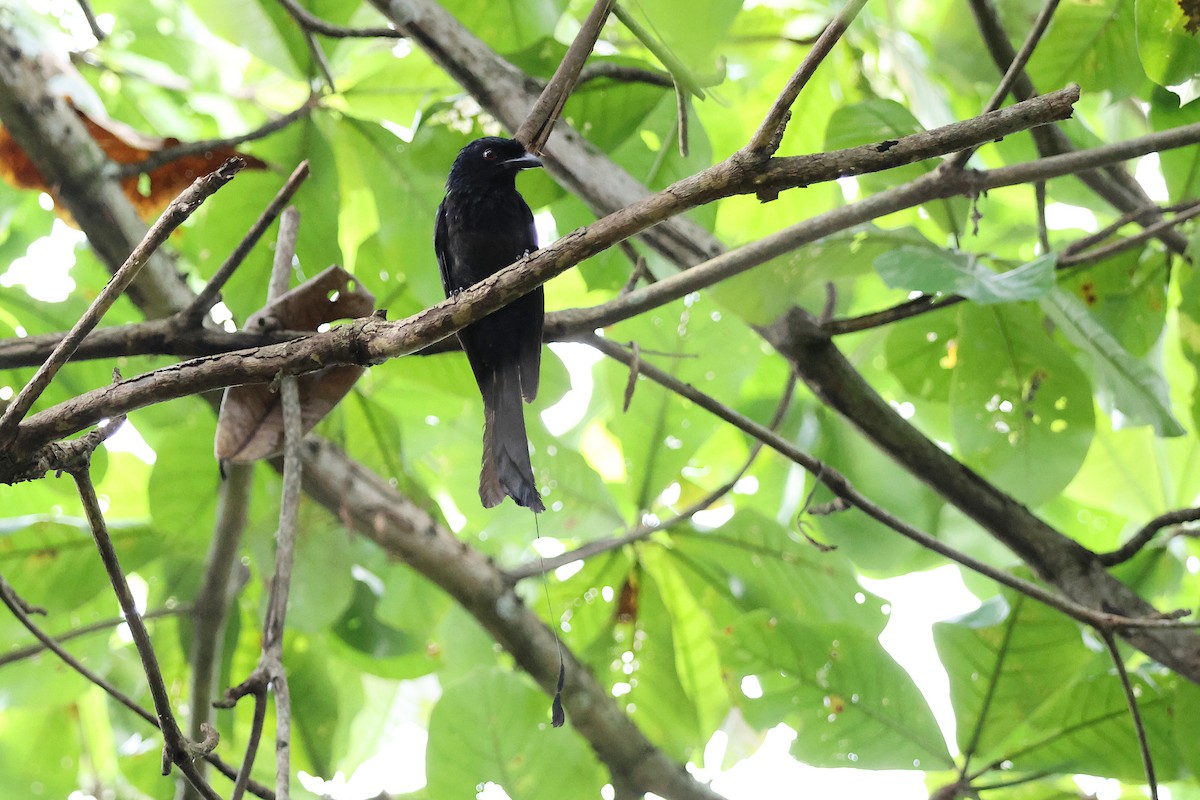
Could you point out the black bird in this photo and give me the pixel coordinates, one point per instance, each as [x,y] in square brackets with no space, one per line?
[483,225]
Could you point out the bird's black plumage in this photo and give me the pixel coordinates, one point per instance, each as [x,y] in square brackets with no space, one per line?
[483,225]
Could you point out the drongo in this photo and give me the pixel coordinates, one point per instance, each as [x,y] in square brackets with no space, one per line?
[483,225]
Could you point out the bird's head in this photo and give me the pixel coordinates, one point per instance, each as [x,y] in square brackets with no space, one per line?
[490,160]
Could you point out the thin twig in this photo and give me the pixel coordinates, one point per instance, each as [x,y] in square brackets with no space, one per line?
[538,124]
[269,673]
[310,22]
[93,23]
[180,209]
[318,57]
[1039,196]
[766,139]
[1147,532]
[681,74]
[169,154]
[17,607]
[1016,69]
[176,747]
[532,568]
[217,590]
[190,316]
[22,653]
[625,73]
[1148,232]
[1135,713]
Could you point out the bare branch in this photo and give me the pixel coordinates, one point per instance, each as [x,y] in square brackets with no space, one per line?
[534,132]
[176,747]
[766,139]
[1015,69]
[218,587]
[22,653]
[1147,532]
[310,22]
[1135,713]
[204,301]
[86,7]
[681,74]
[270,673]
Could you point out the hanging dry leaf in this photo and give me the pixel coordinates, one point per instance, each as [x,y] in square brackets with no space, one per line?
[124,145]
[250,426]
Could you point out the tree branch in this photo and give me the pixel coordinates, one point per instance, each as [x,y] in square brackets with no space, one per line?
[169,154]
[179,210]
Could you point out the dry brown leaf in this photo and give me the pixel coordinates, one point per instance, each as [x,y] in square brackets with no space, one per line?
[124,145]
[250,426]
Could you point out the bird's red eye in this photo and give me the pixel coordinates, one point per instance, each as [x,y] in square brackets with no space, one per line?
[489,155]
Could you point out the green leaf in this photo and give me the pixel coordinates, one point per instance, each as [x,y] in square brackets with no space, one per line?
[696,659]
[947,272]
[849,702]
[1021,408]
[1004,661]
[1138,391]
[1169,53]
[508,26]
[1092,44]
[755,563]
[1180,165]
[1086,728]
[492,726]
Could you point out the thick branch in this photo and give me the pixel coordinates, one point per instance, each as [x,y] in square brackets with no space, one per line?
[51,134]
[1075,571]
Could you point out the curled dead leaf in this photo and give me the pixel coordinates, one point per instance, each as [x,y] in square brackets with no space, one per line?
[250,425]
[124,145]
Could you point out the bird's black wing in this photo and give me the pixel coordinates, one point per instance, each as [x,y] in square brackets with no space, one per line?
[441,246]
[530,345]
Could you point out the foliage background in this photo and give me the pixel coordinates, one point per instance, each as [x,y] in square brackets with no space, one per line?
[738,591]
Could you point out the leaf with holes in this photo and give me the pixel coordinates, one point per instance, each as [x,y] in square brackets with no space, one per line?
[1021,409]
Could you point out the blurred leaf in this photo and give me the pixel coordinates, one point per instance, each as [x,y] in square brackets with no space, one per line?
[849,702]
[1168,50]
[1093,44]
[946,272]
[1138,390]
[1004,661]
[492,726]
[1021,408]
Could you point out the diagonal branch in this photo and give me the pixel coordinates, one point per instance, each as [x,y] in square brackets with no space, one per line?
[766,139]
[180,209]
[535,130]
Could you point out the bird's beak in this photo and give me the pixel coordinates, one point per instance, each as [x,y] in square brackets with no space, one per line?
[524,162]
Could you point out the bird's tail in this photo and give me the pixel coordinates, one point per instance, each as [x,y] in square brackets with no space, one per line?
[506,467]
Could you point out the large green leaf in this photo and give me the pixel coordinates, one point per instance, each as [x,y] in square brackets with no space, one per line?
[1093,44]
[946,272]
[1138,391]
[492,726]
[1168,51]
[1005,660]
[849,702]
[1021,408]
